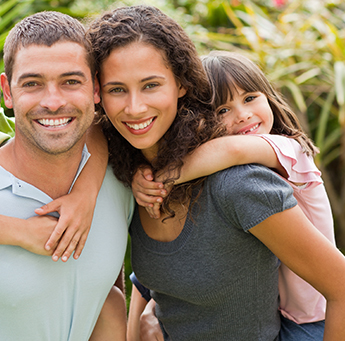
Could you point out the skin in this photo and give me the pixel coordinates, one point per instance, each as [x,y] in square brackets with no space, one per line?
[139,91]
[288,234]
[247,114]
[42,96]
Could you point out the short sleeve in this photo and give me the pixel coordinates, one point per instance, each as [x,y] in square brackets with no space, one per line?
[299,166]
[249,194]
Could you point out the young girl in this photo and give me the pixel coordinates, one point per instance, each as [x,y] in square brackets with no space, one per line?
[248,105]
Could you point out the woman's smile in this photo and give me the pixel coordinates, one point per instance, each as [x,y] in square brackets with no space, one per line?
[140,95]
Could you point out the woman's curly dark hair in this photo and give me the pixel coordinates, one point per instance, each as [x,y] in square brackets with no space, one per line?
[194,124]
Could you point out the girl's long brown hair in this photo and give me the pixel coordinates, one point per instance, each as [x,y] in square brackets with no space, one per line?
[228,70]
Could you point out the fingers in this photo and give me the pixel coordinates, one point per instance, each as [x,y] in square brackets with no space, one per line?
[53,206]
[80,246]
[56,235]
[66,246]
[154,211]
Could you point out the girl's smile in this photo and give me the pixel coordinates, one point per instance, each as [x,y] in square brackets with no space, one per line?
[247,113]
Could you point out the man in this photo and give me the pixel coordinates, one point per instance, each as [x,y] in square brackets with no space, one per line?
[50,83]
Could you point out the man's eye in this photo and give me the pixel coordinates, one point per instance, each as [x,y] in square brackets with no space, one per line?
[29,84]
[72,82]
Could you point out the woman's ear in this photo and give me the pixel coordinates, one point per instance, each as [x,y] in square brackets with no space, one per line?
[181,91]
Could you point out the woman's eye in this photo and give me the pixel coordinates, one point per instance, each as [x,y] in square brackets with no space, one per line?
[222,111]
[116,90]
[151,85]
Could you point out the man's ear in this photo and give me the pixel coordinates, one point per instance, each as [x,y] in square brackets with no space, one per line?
[6,91]
[96,91]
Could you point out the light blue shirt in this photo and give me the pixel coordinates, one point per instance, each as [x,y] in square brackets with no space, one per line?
[42,300]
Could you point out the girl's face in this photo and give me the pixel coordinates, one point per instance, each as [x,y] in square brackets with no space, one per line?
[139,95]
[247,113]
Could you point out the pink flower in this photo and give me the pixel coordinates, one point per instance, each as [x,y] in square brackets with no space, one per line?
[279,3]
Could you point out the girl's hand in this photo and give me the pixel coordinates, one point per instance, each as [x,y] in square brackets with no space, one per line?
[73,226]
[147,192]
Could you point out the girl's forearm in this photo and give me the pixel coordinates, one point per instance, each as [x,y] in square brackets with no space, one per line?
[225,152]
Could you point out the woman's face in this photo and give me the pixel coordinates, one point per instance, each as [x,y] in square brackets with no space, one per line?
[139,95]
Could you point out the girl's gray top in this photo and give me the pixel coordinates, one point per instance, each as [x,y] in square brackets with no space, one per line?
[216,281]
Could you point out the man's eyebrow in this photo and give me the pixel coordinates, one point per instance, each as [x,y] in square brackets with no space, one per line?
[38,75]
[29,75]
[74,73]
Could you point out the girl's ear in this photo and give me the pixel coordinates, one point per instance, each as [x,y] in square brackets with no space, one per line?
[182,91]
[6,90]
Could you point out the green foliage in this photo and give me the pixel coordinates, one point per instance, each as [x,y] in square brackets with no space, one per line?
[301,48]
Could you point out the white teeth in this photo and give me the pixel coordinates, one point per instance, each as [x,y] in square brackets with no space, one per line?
[248,131]
[139,126]
[54,123]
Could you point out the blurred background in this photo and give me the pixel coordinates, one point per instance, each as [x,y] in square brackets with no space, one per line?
[299,44]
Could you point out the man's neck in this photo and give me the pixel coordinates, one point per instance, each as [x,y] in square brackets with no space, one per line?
[52,174]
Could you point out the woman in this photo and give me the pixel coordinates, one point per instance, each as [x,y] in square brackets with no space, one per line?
[227,226]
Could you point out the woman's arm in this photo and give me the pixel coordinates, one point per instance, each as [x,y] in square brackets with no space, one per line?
[76,209]
[30,234]
[136,307]
[300,246]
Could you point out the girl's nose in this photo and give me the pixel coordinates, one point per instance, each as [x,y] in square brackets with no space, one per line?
[243,115]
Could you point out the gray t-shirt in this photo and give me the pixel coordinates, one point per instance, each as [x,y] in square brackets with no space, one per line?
[216,281]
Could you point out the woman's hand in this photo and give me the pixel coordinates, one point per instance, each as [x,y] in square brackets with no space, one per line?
[35,232]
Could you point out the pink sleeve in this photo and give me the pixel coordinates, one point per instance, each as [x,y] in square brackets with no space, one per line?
[300,167]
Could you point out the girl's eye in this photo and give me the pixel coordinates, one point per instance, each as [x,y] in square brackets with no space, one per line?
[249,99]
[222,111]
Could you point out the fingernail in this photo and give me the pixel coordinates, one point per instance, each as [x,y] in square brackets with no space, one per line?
[159,200]
[64,258]
[47,247]
[161,186]
[55,258]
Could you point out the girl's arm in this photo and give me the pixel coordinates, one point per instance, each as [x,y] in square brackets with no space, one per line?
[76,209]
[209,158]
[300,246]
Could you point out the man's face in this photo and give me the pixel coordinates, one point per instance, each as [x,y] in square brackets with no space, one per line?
[52,95]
